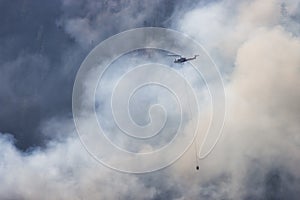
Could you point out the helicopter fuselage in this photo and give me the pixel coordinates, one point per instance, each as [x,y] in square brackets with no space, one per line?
[180,60]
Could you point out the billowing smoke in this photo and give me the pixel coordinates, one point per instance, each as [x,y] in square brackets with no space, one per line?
[256,45]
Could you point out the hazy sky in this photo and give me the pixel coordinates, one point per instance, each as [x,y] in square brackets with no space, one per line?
[256,46]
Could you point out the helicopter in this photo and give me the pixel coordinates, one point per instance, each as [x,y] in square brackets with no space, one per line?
[182,59]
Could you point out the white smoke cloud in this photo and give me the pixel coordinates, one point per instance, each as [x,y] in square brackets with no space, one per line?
[224,26]
[261,131]
[263,92]
[62,171]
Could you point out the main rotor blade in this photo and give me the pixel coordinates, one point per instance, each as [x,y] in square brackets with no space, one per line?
[175,55]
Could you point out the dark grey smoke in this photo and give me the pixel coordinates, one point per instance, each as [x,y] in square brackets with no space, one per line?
[39,58]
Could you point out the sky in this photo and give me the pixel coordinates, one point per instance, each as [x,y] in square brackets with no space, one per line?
[255,45]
